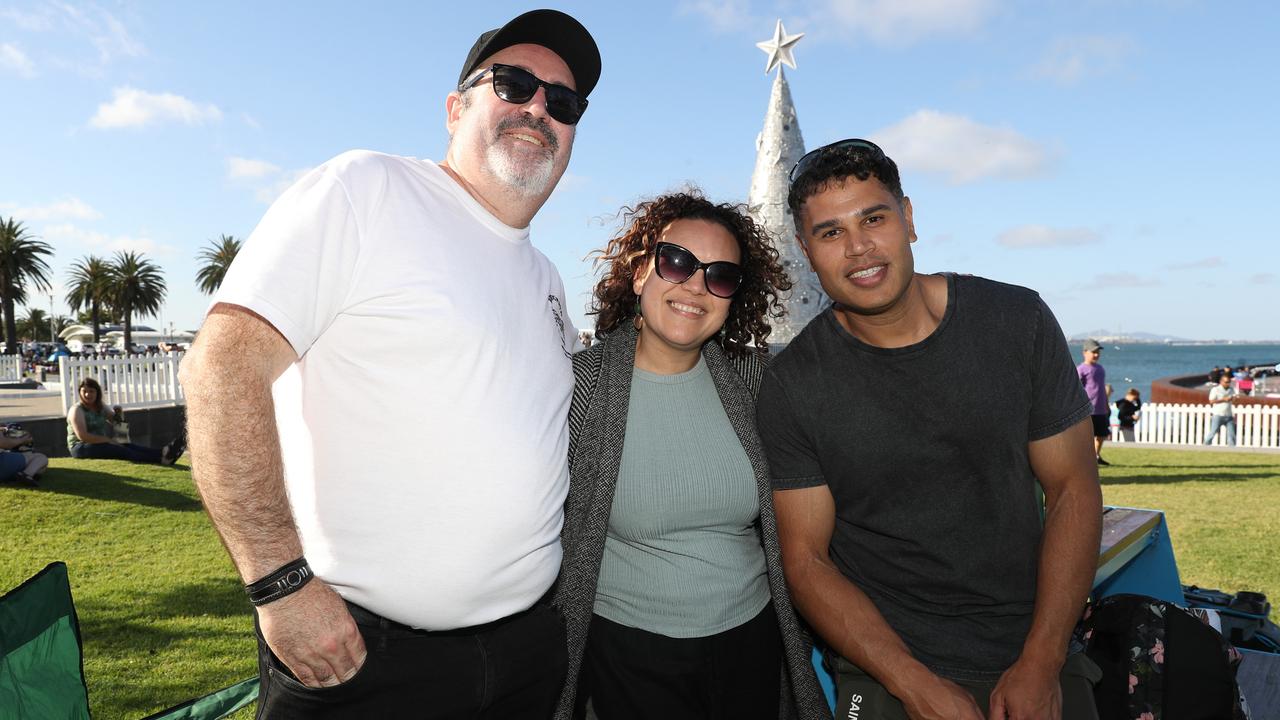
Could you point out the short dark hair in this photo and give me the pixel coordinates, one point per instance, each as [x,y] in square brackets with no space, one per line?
[837,165]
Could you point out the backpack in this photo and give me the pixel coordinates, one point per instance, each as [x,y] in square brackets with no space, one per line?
[1245,616]
[1160,662]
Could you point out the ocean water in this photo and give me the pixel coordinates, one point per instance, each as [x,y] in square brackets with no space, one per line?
[1137,365]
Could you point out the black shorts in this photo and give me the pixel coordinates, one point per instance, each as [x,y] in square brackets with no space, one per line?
[1101,425]
[860,696]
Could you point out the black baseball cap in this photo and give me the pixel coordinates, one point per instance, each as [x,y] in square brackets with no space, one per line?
[554,31]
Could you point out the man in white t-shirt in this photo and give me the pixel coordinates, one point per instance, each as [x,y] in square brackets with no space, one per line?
[1221,397]
[377,408]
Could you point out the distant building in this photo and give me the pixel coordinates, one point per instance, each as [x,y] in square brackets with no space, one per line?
[78,337]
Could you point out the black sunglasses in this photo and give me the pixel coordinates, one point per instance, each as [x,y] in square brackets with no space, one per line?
[517,85]
[676,265]
[811,157]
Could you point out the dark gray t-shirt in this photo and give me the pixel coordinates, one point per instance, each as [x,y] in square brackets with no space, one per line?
[924,449]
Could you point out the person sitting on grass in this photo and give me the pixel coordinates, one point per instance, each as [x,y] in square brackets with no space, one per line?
[89,431]
[23,468]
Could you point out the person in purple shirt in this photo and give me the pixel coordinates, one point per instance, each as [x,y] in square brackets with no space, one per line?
[1094,378]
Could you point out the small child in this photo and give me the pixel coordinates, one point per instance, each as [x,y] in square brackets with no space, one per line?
[1130,412]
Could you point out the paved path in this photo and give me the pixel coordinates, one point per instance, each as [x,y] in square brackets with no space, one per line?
[16,404]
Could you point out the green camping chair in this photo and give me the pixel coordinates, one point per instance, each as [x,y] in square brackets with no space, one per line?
[41,665]
[41,674]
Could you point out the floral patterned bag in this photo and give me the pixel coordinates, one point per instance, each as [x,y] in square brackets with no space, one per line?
[1160,662]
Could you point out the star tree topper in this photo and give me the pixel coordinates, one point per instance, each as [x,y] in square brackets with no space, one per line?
[779,48]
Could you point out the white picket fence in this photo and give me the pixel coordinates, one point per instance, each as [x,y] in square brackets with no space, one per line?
[1257,426]
[10,368]
[131,381]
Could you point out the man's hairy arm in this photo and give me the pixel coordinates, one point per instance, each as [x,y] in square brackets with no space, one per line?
[846,618]
[1068,472]
[236,464]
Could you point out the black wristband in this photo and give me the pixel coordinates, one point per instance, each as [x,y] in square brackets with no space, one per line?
[284,581]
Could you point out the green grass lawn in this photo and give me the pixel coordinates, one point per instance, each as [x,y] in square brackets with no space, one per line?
[164,618]
[162,613]
[1223,511]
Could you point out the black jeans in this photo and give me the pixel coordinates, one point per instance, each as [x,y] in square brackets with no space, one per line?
[733,675]
[509,668]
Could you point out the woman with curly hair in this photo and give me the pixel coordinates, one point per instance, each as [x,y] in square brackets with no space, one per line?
[672,589]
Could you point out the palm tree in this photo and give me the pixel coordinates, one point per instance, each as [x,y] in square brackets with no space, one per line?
[36,322]
[62,322]
[90,288]
[21,263]
[137,286]
[216,258]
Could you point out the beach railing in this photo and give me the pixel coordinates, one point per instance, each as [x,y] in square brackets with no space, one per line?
[1257,426]
[130,381]
[10,368]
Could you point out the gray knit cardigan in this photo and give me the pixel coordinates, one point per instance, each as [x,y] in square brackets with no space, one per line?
[597,422]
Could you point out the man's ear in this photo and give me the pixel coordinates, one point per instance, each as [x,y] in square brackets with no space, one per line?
[453,107]
[804,249]
[906,215]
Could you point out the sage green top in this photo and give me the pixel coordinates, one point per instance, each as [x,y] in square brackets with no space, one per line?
[95,422]
[682,557]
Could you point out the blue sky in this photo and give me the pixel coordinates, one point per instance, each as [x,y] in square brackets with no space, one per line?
[1120,157]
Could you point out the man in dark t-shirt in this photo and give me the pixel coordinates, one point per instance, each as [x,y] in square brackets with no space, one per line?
[913,540]
[1130,412]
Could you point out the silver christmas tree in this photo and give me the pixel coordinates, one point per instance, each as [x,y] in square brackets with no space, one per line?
[778,148]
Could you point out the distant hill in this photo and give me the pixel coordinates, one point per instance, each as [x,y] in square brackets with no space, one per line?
[1109,336]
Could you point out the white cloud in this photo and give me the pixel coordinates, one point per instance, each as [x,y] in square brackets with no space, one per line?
[570,183]
[12,58]
[95,36]
[1118,281]
[1043,236]
[31,22]
[102,242]
[1071,59]
[1209,262]
[250,120]
[1262,278]
[884,22]
[723,15]
[961,149]
[104,31]
[901,22]
[136,108]
[112,39]
[268,193]
[238,167]
[71,208]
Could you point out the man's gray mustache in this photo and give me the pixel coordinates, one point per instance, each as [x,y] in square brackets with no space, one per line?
[540,126]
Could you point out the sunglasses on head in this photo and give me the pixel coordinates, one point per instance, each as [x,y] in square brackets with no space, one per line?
[807,161]
[676,265]
[518,86]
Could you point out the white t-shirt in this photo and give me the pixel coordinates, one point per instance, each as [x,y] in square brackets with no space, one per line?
[423,428]
[1218,396]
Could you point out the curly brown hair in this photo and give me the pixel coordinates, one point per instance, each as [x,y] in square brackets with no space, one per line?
[614,301]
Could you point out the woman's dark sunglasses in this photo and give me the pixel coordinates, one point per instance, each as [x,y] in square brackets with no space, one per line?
[517,85]
[811,157]
[676,265]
